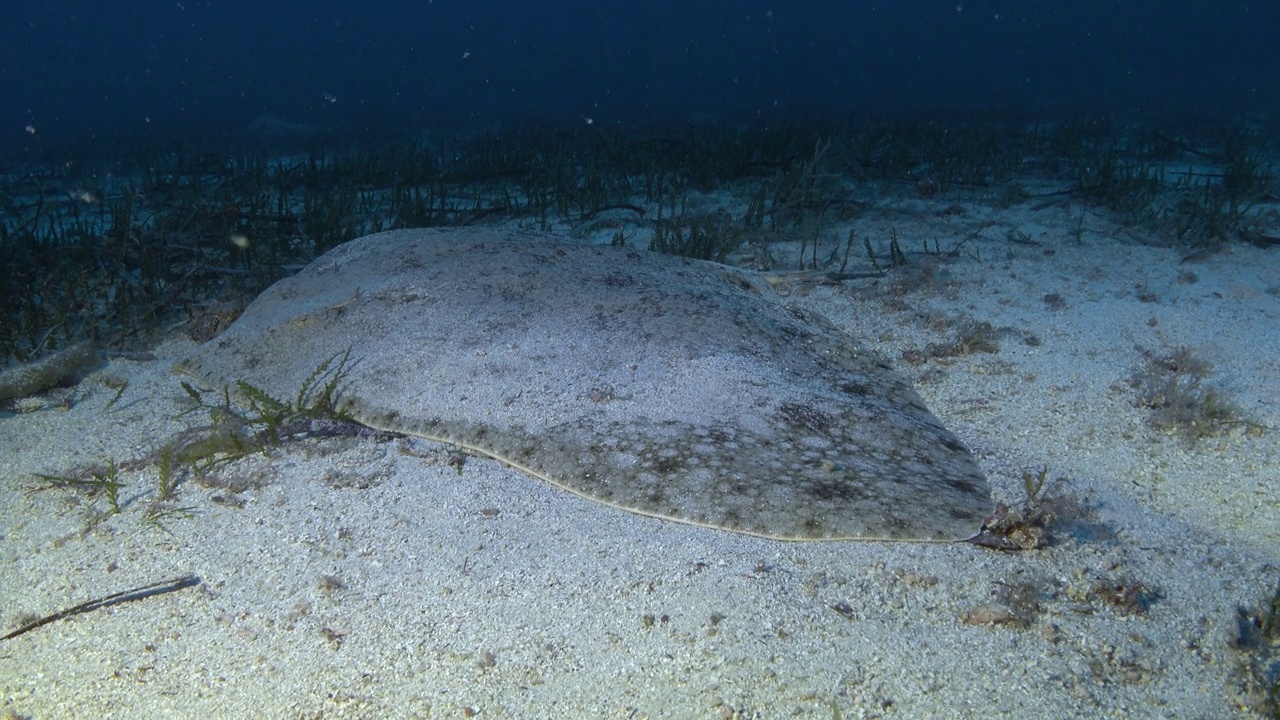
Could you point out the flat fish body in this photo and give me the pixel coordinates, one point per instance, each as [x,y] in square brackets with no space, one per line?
[661,385]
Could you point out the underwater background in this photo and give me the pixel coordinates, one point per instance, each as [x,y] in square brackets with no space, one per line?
[1058,221]
[82,70]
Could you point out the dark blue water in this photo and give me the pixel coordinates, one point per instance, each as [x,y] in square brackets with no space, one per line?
[178,67]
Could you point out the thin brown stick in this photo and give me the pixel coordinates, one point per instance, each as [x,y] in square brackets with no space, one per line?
[137,593]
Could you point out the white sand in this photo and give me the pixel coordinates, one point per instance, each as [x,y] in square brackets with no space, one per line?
[491,594]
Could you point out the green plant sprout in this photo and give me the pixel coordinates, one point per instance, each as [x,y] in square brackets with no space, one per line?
[1033,484]
[231,434]
[96,481]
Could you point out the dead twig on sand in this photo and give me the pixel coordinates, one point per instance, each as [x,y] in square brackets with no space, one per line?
[137,593]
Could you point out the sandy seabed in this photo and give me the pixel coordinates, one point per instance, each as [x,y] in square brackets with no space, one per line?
[368,578]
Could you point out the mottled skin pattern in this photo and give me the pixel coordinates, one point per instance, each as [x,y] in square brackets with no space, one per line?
[661,385]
